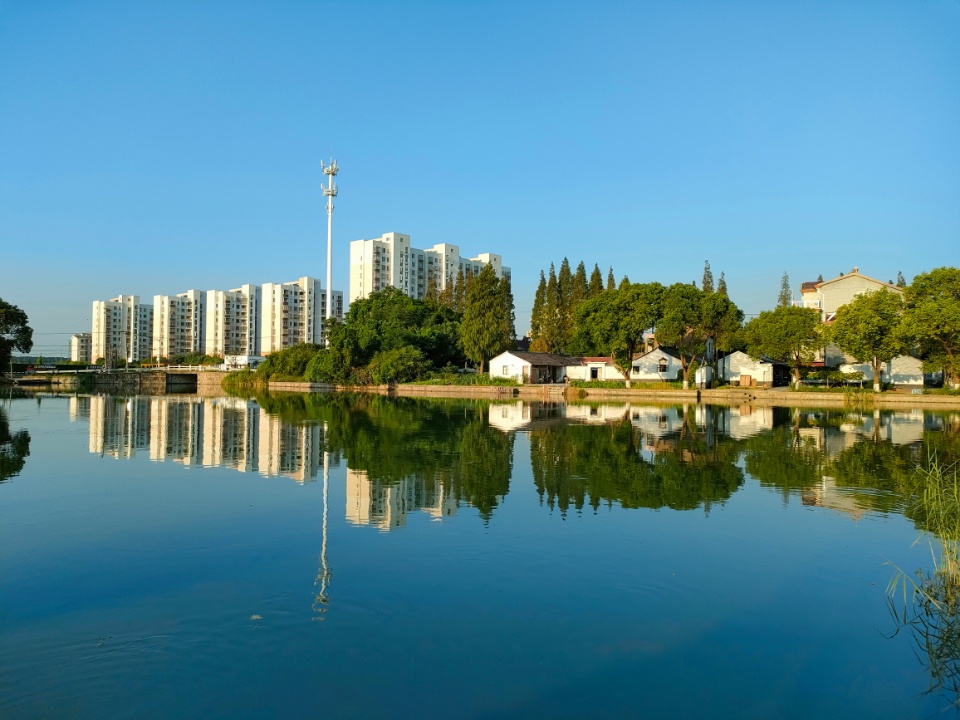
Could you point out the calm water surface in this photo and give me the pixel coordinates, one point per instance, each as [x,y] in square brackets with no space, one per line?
[329,556]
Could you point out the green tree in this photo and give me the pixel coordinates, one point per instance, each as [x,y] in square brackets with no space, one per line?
[398,365]
[867,328]
[15,333]
[722,285]
[901,280]
[820,278]
[565,304]
[787,334]
[707,284]
[551,338]
[611,281]
[432,293]
[616,320]
[931,321]
[595,287]
[460,292]
[785,299]
[14,448]
[483,328]
[539,307]
[691,318]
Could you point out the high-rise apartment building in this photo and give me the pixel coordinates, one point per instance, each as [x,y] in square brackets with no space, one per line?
[294,312]
[179,324]
[122,330]
[390,261]
[233,321]
[80,347]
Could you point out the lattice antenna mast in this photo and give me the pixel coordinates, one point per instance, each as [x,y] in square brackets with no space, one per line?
[330,192]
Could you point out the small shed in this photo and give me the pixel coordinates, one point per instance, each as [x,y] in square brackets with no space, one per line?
[532,367]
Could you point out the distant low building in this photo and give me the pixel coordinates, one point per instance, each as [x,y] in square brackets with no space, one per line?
[532,367]
[738,368]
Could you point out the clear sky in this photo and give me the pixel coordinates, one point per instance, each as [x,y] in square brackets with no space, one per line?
[151,148]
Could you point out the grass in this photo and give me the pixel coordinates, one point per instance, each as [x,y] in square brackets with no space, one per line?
[467,379]
[928,602]
[621,385]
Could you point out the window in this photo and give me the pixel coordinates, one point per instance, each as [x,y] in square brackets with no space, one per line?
[662,367]
[506,370]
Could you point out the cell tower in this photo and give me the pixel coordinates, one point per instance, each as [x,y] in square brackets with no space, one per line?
[330,192]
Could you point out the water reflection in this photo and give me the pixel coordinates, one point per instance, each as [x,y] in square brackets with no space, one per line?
[14,448]
[407,456]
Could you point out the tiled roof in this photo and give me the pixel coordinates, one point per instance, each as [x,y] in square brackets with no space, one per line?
[546,359]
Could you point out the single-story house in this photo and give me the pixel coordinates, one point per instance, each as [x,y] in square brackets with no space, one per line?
[594,368]
[532,367]
[658,365]
[903,371]
[736,367]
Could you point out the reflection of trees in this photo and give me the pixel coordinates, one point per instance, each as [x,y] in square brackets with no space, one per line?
[782,458]
[579,464]
[392,439]
[14,448]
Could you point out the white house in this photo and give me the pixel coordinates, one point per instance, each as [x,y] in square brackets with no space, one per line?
[763,372]
[594,368]
[532,367]
[902,371]
[658,365]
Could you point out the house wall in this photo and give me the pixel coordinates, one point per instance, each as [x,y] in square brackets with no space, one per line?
[902,371]
[506,365]
[841,291]
[731,367]
[646,368]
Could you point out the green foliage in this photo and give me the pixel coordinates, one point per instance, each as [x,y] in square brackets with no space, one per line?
[787,333]
[487,327]
[785,298]
[289,363]
[451,376]
[931,320]
[15,333]
[722,285]
[707,282]
[398,365]
[868,328]
[691,318]
[614,322]
[595,286]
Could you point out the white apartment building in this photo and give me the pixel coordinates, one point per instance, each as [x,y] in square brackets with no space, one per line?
[233,321]
[122,329]
[390,261]
[80,347]
[179,324]
[829,296]
[294,312]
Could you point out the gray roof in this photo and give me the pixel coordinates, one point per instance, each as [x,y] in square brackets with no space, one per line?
[546,359]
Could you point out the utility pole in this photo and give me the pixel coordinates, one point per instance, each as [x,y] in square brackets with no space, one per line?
[330,192]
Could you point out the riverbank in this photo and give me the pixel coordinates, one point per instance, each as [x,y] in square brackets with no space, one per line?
[564,393]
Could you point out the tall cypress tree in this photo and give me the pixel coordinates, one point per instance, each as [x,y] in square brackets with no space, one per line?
[484,325]
[707,284]
[722,285]
[611,281]
[552,331]
[565,290]
[460,292]
[539,302]
[901,280]
[596,282]
[784,299]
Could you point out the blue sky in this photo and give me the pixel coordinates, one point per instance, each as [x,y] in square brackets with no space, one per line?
[151,148]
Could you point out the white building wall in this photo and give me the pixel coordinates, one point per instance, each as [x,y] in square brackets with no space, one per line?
[121,329]
[735,364]
[80,347]
[506,365]
[655,366]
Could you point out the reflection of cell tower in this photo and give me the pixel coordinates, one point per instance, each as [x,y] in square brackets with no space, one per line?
[323,575]
[330,192]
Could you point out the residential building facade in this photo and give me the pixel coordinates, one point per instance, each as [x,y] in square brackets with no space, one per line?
[293,313]
[81,345]
[233,326]
[391,261]
[179,324]
[122,330]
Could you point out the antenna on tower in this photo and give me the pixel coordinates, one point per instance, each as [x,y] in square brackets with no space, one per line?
[330,192]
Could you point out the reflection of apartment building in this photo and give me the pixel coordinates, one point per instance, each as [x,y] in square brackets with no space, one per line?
[78,407]
[390,261]
[293,313]
[176,430]
[387,506]
[119,426]
[179,324]
[122,329]
[231,433]
[295,451]
[81,345]
[233,321]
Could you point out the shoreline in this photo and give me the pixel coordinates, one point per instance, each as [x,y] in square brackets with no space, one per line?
[563,393]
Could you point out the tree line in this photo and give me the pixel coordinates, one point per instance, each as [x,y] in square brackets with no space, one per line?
[390,337]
